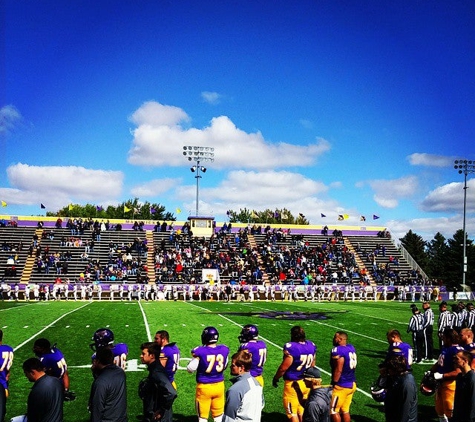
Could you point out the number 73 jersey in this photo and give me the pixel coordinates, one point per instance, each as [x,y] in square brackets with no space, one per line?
[213,362]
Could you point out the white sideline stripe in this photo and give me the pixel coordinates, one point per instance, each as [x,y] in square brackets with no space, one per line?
[145,320]
[49,325]
[16,307]
[279,347]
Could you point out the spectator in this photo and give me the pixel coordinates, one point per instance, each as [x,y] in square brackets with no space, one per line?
[244,399]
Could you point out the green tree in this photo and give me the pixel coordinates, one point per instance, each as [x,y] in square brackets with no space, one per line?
[437,250]
[416,246]
[455,260]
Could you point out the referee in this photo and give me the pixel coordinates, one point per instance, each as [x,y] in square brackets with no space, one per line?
[428,331]
[416,327]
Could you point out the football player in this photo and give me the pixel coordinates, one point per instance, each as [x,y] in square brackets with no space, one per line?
[444,372]
[257,348]
[209,362]
[299,355]
[343,364]
[169,354]
[398,348]
[6,360]
[54,363]
[104,337]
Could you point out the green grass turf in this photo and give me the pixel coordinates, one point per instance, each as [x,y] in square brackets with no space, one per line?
[71,325]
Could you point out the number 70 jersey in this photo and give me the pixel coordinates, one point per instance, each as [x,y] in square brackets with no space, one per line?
[213,362]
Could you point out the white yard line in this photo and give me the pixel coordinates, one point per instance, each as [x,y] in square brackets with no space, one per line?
[145,320]
[50,325]
[275,345]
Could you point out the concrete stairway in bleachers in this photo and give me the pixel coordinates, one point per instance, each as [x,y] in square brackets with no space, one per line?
[253,245]
[150,256]
[359,261]
[30,261]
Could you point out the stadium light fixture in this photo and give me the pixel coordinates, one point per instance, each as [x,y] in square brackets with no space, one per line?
[198,154]
[464,167]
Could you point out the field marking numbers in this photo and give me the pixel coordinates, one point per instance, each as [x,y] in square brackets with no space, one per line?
[50,325]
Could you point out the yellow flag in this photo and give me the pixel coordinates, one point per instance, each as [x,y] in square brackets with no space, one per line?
[4,204]
[254,214]
[127,209]
[70,207]
[346,216]
[178,210]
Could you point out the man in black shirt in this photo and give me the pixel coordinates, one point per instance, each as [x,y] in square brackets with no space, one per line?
[464,401]
[108,399]
[156,390]
[45,401]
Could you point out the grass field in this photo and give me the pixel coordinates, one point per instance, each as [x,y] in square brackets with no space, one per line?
[71,325]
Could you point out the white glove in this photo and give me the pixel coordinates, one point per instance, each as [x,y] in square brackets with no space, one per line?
[427,373]
[438,376]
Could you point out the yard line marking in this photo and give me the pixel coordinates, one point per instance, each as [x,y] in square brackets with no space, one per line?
[50,325]
[279,347]
[145,320]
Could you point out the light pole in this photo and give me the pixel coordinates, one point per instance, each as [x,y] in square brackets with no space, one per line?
[198,154]
[464,167]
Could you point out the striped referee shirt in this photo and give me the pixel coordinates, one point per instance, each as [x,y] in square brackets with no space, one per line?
[428,317]
[445,321]
[470,319]
[416,323]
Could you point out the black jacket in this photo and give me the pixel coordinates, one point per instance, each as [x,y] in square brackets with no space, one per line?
[157,394]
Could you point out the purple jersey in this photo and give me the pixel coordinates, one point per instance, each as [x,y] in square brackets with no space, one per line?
[348,353]
[54,363]
[468,347]
[303,355]
[258,350]
[172,353]
[213,362]
[6,360]
[120,351]
[399,348]
[445,362]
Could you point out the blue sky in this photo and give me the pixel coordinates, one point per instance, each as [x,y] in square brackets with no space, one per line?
[330,107]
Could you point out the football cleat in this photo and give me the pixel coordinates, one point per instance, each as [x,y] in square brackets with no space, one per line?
[102,337]
[209,335]
[248,332]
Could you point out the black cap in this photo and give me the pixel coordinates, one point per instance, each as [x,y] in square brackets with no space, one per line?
[312,372]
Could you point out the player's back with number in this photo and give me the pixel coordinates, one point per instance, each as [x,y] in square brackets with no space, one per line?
[348,353]
[212,363]
[303,354]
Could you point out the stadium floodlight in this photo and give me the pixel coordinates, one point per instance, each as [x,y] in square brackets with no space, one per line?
[464,167]
[198,154]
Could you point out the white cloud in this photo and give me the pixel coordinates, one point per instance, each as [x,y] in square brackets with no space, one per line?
[261,190]
[428,227]
[449,198]
[155,114]
[159,140]
[212,98]
[387,193]
[430,160]
[60,185]
[155,187]
[9,116]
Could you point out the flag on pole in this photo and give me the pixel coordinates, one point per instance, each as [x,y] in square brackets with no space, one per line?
[178,210]
[254,214]
[284,216]
[342,217]
[70,207]
[322,215]
[4,204]
[362,218]
[42,206]
[152,210]
[99,208]
[127,209]
[375,217]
